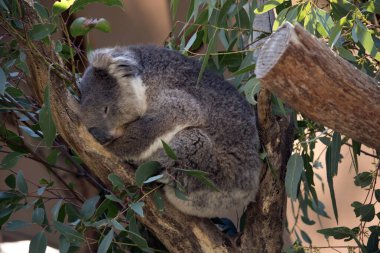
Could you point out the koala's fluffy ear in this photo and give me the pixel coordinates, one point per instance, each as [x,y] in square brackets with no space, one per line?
[118,62]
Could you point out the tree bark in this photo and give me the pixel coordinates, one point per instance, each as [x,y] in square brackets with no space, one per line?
[265,217]
[312,79]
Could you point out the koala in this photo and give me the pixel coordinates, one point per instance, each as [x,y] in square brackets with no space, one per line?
[134,97]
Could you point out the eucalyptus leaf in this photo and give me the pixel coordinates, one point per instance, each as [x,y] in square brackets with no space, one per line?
[169,151]
[294,170]
[267,6]
[69,233]
[10,160]
[137,207]
[89,207]
[38,243]
[21,183]
[41,31]
[106,242]
[46,120]
[38,216]
[146,170]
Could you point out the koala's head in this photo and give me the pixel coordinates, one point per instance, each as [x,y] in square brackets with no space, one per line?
[112,93]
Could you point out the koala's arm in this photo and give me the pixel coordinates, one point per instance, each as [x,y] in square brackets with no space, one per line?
[174,111]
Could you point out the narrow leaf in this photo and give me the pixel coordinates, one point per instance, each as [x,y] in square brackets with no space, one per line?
[294,170]
[38,216]
[38,243]
[21,183]
[106,242]
[46,120]
[169,151]
[332,161]
[137,208]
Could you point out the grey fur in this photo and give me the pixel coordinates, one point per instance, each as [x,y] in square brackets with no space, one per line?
[151,93]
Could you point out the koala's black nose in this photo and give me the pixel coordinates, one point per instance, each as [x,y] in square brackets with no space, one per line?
[100,135]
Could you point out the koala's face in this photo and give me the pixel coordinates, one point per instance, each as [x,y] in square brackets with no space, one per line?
[107,105]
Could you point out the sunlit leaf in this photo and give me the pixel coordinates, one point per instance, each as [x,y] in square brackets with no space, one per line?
[267,6]
[61,6]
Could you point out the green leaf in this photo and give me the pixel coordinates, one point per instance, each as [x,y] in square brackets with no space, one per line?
[69,233]
[377,195]
[80,4]
[55,210]
[134,234]
[41,190]
[21,183]
[366,212]
[106,242]
[117,225]
[61,6]
[373,241]
[337,232]
[114,198]
[169,151]
[38,243]
[38,216]
[41,31]
[146,170]
[64,245]
[361,33]
[202,177]
[80,26]
[103,25]
[294,170]
[251,88]
[89,207]
[363,179]
[46,120]
[116,181]
[332,161]
[10,160]
[269,5]
[11,181]
[211,47]
[3,81]
[13,91]
[42,11]
[305,237]
[137,208]
[16,224]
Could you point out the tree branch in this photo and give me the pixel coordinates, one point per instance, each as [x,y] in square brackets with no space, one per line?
[312,79]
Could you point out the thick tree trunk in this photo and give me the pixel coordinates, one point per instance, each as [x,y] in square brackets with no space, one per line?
[312,79]
[265,217]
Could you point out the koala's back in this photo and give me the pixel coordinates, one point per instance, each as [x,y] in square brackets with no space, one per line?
[228,119]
